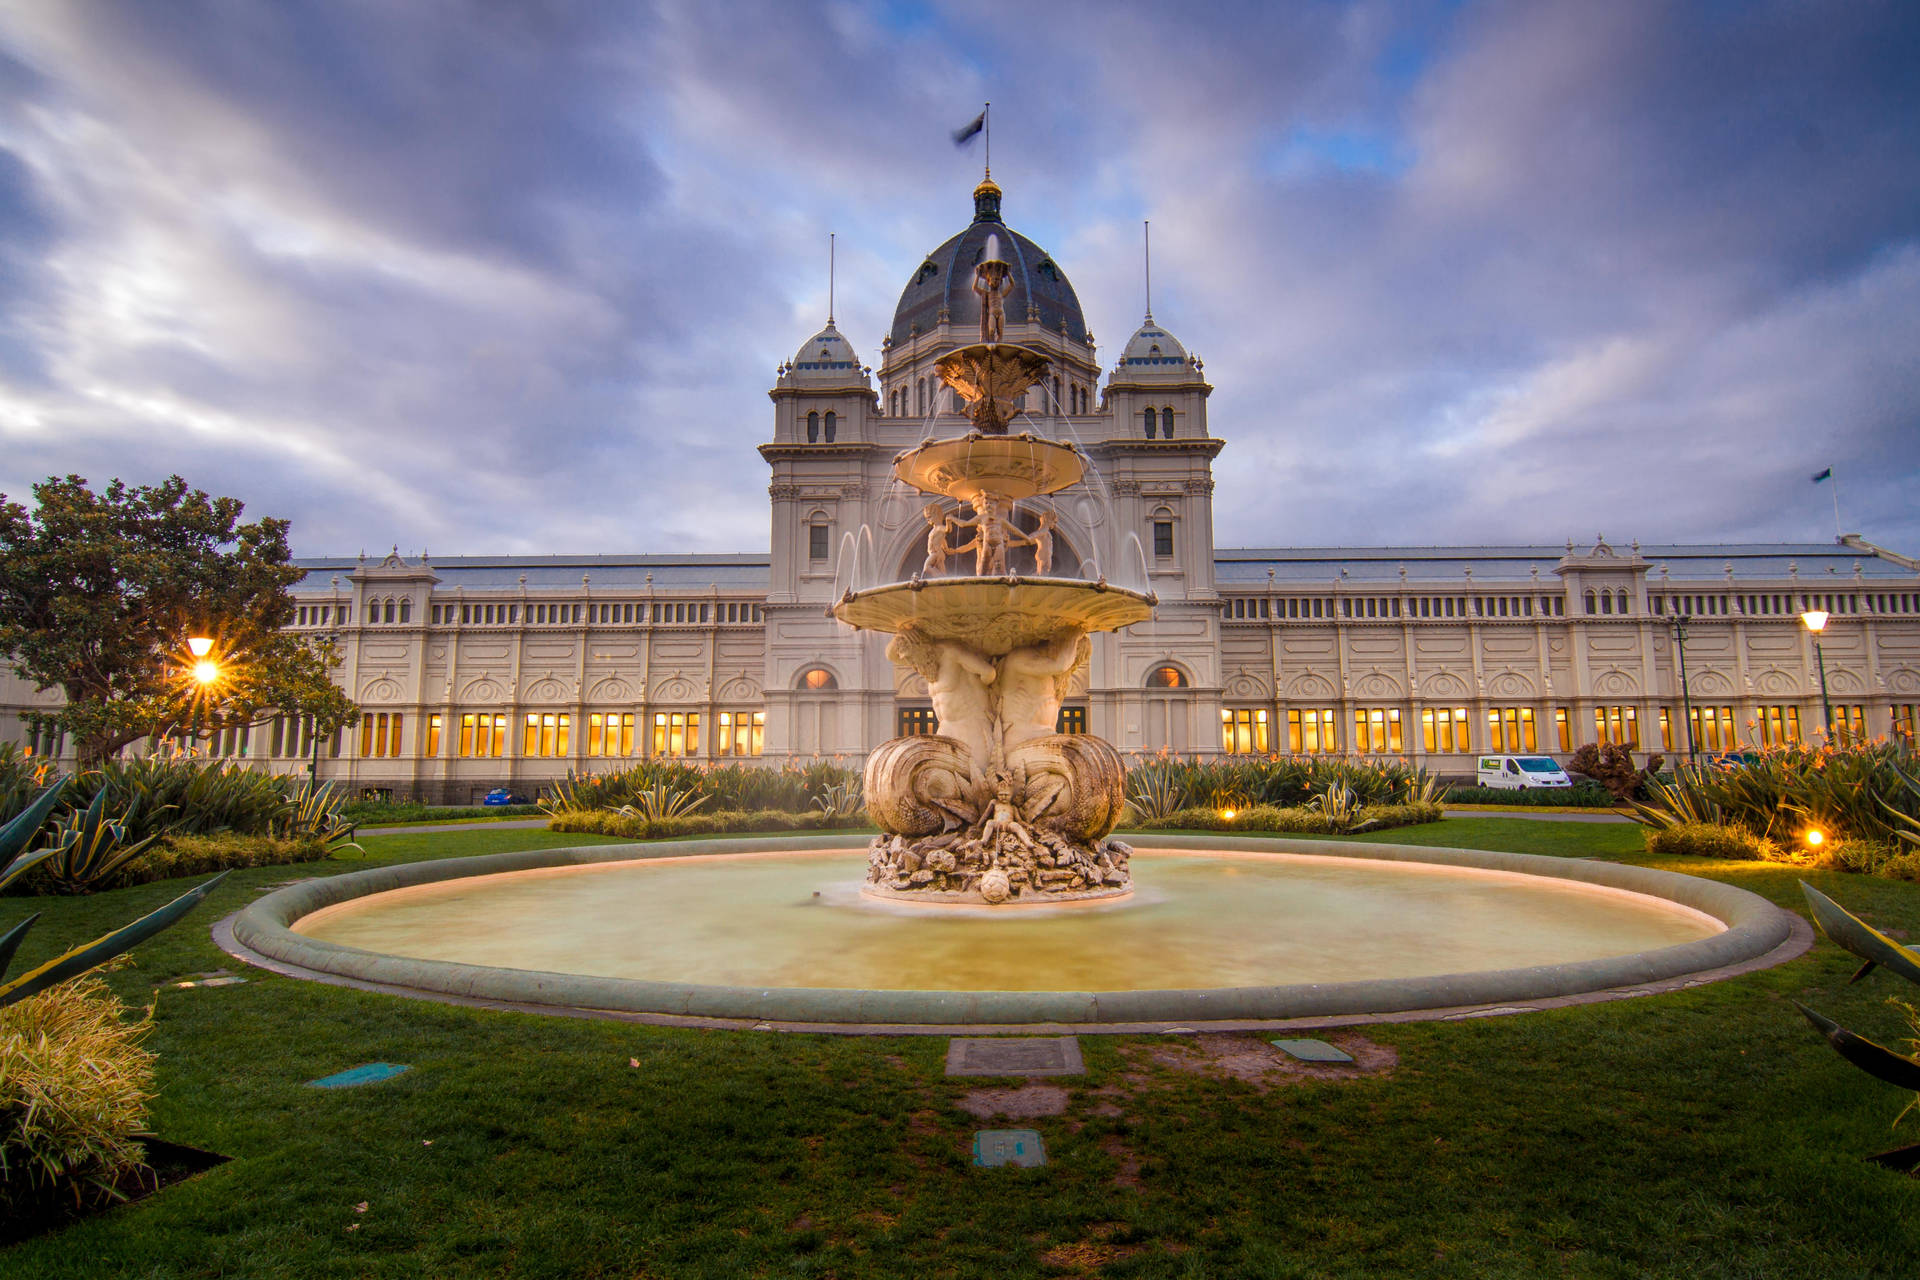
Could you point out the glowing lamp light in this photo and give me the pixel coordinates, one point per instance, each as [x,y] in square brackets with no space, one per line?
[1816,837]
[200,646]
[1226,815]
[206,671]
[1816,620]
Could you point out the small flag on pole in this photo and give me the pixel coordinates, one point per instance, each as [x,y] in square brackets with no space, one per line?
[1824,475]
[971,130]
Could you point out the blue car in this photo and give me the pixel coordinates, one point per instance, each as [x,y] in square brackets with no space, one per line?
[500,795]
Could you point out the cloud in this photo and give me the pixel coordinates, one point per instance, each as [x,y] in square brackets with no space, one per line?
[488,277]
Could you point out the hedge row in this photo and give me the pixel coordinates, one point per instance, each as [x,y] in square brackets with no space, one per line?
[1581,795]
[1371,817]
[605,822]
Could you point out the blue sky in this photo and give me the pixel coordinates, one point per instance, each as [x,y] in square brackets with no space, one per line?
[515,278]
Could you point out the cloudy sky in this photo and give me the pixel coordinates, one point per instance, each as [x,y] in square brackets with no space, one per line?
[515,277]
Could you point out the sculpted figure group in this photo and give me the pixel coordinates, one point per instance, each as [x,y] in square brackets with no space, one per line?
[994,534]
[997,804]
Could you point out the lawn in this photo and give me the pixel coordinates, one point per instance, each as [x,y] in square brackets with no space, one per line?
[1703,1133]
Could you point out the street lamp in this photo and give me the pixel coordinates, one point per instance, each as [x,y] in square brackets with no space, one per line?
[1816,620]
[1679,623]
[205,673]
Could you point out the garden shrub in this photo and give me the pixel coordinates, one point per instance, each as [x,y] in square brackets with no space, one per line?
[74,1085]
[1295,819]
[1709,840]
[1581,795]
[184,855]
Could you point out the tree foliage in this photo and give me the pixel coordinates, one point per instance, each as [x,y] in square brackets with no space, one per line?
[99,593]
[1611,765]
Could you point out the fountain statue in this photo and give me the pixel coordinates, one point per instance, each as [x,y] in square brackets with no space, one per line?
[996,807]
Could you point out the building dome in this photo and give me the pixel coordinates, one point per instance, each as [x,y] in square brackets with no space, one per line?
[1152,347]
[825,357]
[942,289]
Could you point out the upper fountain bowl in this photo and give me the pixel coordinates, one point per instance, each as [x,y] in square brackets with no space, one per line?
[1012,467]
[994,615]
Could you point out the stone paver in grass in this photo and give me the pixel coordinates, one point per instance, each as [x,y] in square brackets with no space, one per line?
[1022,1148]
[1015,1056]
[368,1073]
[1312,1051]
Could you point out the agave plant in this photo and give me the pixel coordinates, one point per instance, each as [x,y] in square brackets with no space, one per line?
[87,847]
[1157,789]
[1877,950]
[840,800]
[316,809]
[20,831]
[661,801]
[1341,806]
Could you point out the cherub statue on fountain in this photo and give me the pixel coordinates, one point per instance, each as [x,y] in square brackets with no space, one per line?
[940,528]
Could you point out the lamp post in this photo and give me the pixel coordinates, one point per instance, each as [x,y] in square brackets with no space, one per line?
[1816,620]
[1679,624]
[206,672]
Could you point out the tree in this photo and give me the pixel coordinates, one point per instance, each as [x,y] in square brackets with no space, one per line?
[100,592]
[1611,765]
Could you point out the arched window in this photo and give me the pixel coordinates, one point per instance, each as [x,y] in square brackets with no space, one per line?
[389,611]
[1058,403]
[1606,602]
[1149,417]
[1623,602]
[920,397]
[1590,603]
[1166,423]
[813,428]
[833,425]
[817,679]
[406,610]
[1167,677]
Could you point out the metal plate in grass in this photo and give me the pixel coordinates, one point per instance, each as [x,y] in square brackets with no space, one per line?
[1021,1148]
[368,1073]
[1015,1056]
[1312,1051]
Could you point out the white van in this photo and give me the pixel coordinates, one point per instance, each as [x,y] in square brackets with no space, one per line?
[1519,773]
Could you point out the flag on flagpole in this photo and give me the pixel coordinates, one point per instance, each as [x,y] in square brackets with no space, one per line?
[968,132]
[1824,475]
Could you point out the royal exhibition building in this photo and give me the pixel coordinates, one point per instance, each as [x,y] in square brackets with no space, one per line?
[477,672]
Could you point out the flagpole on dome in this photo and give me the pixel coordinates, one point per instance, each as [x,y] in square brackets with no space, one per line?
[830,248]
[1826,474]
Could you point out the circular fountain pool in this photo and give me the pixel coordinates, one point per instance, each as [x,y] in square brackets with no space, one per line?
[1216,929]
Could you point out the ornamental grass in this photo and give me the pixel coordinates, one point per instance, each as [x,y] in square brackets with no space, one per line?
[75,1080]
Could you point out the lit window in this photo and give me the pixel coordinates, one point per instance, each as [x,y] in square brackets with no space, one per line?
[1713,729]
[610,733]
[1510,730]
[676,733]
[817,678]
[1376,729]
[483,735]
[1563,728]
[917,722]
[1243,731]
[1903,720]
[1166,678]
[1617,725]
[1779,724]
[1311,732]
[380,735]
[1849,724]
[1444,729]
[742,733]
[1071,720]
[433,736]
[546,734]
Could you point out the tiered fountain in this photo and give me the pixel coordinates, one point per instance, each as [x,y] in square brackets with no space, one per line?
[996,807]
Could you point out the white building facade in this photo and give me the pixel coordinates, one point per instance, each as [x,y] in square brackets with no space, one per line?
[482,672]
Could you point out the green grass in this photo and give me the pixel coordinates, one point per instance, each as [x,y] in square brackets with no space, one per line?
[1704,1133]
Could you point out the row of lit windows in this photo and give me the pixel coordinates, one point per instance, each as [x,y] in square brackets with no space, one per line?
[380,734]
[1513,731]
[609,734]
[538,615]
[919,722]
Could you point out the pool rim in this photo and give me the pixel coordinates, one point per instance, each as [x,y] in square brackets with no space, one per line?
[1754,929]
